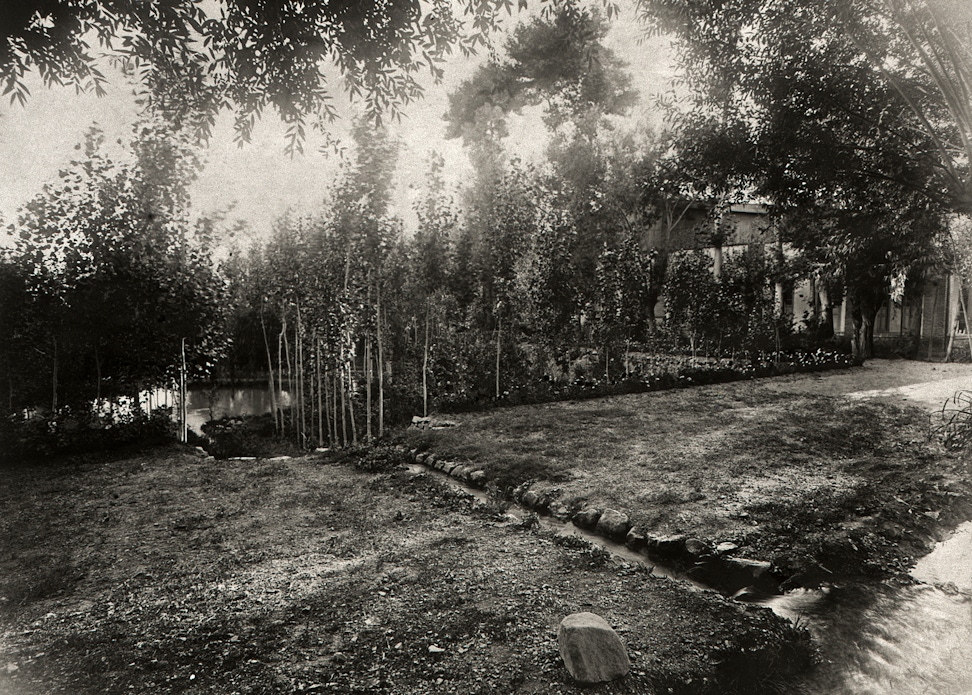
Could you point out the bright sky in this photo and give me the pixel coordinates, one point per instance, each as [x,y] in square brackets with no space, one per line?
[259,180]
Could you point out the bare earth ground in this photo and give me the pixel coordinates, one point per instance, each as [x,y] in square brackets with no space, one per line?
[165,573]
[160,572]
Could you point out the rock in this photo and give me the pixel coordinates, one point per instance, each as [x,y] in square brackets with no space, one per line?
[732,574]
[461,472]
[636,540]
[591,649]
[442,424]
[726,548]
[477,478]
[530,499]
[429,460]
[587,518]
[667,546]
[420,423]
[200,452]
[613,524]
[421,456]
[560,512]
[750,594]
[694,546]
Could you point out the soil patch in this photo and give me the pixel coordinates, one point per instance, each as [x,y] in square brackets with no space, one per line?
[169,573]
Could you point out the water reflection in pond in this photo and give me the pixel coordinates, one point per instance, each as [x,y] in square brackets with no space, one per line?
[207,403]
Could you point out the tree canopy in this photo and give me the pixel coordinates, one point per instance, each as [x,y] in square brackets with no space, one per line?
[196,59]
[879,89]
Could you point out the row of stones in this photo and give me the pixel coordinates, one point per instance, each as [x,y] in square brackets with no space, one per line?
[712,566]
[470,475]
[616,526]
[709,565]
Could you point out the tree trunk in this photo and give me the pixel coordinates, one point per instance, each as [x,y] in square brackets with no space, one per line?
[273,393]
[302,380]
[344,404]
[280,371]
[863,312]
[825,325]
[354,425]
[98,369]
[328,410]
[54,381]
[499,337]
[183,410]
[425,366]
[381,370]
[290,378]
[320,392]
[367,370]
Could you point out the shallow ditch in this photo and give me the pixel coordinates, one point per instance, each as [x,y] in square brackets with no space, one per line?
[881,638]
[743,579]
[874,637]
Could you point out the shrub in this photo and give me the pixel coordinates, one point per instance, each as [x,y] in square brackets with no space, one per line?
[72,431]
[953,423]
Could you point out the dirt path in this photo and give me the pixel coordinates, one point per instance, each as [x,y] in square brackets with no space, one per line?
[924,384]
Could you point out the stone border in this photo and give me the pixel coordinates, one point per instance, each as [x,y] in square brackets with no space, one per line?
[715,567]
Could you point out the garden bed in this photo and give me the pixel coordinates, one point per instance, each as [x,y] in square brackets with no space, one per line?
[650,372]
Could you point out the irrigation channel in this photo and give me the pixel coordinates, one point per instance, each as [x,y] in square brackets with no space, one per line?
[874,638]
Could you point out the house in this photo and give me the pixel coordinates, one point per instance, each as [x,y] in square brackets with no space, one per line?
[928,323]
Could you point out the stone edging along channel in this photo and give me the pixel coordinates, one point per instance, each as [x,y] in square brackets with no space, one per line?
[697,560]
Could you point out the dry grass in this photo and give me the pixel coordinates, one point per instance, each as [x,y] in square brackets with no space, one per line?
[725,462]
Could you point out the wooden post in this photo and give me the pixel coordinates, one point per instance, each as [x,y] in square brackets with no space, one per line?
[381,372]
[499,335]
[965,315]
[183,409]
[425,367]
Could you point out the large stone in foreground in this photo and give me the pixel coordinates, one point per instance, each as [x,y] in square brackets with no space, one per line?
[591,649]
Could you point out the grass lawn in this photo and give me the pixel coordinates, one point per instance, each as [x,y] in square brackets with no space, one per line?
[857,485]
[161,572]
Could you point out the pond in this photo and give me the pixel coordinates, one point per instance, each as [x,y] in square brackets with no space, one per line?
[206,402]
